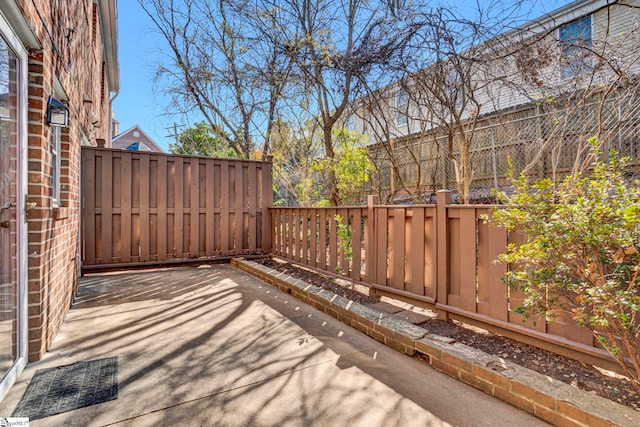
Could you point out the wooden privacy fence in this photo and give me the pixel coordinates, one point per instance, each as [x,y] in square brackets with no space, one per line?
[140,207]
[441,256]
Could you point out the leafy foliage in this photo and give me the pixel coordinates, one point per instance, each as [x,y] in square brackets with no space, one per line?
[200,140]
[351,165]
[294,154]
[345,237]
[581,255]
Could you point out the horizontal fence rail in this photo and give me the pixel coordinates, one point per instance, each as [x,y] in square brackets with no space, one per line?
[440,256]
[140,207]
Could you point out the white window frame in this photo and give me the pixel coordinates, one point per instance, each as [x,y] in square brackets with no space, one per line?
[573,60]
[11,38]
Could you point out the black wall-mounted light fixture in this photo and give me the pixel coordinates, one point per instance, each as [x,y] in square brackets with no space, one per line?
[57,112]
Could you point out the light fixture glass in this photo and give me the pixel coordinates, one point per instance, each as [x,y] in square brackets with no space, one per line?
[57,112]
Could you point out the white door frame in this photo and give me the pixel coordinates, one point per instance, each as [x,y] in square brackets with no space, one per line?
[21,227]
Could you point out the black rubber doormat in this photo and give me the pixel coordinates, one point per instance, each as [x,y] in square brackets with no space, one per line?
[65,388]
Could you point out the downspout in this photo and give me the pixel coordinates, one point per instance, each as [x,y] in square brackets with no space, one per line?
[111,99]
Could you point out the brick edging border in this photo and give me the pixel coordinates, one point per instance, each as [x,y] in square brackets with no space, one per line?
[544,397]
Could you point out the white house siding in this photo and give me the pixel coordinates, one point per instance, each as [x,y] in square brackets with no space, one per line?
[617,26]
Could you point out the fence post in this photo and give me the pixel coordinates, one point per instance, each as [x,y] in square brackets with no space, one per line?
[442,277]
[370,243]
[267,202]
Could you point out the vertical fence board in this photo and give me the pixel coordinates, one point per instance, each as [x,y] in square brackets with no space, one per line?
[381,245]
[322,231]
[275,231]
[304,214]
[498,302]
[442,250]
[333,240]
[516,298]
[280,232]
[116,197]
[194,209]
[178,210]
[125,204]
[467,262]
[106,208]
[210,245]
[415,252]
[295,221]
[430,253]
[225,191]
[484,286]
[238,241]
[162,207]
[135,208]
[398,245]
[252,203]
[370,240]
[344,221]
[356,243]
[266,200]
[313,241]
[153,208]
[144,207]
[453,252]
[90,179]
[288,249]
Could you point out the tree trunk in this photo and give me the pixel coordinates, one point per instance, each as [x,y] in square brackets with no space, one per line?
[332,182]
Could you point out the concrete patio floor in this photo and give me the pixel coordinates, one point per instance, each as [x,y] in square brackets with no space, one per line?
[213,346]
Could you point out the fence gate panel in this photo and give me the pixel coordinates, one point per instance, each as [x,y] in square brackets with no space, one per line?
[149,208]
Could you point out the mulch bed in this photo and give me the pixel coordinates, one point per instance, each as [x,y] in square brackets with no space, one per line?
[580,375]
[319,280]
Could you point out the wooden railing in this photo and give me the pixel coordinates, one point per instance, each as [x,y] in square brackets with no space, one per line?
[441,256]
[142,207]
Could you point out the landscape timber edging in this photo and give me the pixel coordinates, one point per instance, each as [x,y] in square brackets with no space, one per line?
[547,398]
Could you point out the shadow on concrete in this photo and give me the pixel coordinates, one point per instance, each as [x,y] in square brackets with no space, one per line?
[215,346]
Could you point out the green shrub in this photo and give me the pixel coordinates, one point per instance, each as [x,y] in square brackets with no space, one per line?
[582,252]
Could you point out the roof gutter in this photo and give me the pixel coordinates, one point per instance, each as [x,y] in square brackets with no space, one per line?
[15,16]
[109,26]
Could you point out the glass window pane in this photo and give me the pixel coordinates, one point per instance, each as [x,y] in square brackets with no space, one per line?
[8,198]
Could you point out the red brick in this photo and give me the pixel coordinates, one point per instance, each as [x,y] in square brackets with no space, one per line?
[457,362]
[534,395]
[491,376]
[554,417]
[476,382]
[572,412]
[514,399]
[445,367]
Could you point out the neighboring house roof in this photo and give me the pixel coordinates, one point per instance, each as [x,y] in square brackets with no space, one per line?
[135,139]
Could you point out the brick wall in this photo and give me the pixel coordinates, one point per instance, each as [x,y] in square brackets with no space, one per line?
[71,55]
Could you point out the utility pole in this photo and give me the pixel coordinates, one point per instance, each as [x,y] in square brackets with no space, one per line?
[175,133]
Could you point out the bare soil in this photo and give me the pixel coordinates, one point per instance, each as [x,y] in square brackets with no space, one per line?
[586,377]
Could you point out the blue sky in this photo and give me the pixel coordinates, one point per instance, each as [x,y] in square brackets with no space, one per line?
[140,50]
[139,53]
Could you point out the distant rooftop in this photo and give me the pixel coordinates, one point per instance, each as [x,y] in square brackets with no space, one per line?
[135,139]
